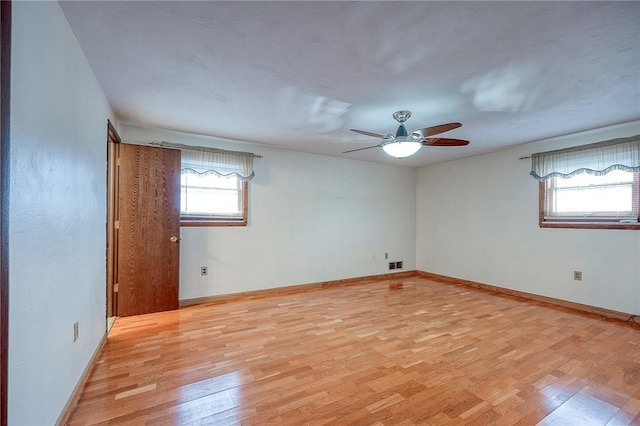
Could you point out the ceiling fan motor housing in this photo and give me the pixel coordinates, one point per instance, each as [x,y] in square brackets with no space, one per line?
[401,117]
[402,131]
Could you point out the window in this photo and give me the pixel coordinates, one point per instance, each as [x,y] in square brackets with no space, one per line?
[213,185]
[590,186]
[588,201]
[210,200]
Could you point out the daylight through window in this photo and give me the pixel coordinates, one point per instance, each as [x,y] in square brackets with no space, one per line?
[612,197]
[209,197]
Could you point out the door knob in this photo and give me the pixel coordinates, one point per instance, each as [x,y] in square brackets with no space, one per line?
[174,239]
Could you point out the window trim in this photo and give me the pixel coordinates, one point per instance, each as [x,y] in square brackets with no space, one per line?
[213,221]
[572,223]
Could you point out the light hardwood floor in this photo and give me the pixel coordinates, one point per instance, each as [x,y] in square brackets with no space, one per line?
[427,353]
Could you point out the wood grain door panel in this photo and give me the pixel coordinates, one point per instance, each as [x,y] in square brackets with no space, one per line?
[148,256]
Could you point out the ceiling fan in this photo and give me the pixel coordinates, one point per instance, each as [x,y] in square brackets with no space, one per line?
[404,144]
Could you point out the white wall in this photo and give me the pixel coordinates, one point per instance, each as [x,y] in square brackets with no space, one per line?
[57,214]
[477,219]
[311,218]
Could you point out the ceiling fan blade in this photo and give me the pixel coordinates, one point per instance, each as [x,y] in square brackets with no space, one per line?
[441,128]
[444,142]
[360,149]
[363,132]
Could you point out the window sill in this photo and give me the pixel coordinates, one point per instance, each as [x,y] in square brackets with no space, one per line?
[590,225]
[213,223]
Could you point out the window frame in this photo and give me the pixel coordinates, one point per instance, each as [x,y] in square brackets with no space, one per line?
[194,220]
[575,223]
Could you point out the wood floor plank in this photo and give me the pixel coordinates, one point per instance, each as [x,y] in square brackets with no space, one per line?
[408,351]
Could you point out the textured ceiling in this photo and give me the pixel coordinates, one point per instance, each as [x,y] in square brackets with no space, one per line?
[298,75]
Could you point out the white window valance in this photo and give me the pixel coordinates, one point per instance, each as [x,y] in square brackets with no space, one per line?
[596,159]
[220,163]
[205,160]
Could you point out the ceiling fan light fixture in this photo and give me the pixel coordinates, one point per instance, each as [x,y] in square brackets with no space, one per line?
[402,147]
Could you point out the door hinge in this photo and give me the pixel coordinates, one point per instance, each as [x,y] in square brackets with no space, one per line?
[116,287]
[116,224]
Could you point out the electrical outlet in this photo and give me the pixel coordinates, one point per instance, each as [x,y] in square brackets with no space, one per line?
[392,265]
[204,270]
[399,264]
[76,330]
[577,275]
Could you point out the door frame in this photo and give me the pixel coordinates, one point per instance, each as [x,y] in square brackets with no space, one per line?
[5,88]
[113,148]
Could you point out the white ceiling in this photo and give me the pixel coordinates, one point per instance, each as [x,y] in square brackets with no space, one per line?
[299,75]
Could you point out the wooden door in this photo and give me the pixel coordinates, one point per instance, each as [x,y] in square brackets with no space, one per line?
[148,230]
